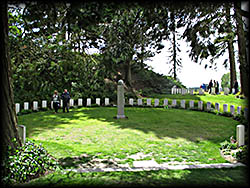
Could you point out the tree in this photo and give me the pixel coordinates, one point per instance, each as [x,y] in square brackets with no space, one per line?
[244,65]
[174,47]
[230,50]
[9,118]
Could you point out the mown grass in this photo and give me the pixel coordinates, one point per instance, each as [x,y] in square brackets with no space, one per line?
[166,134]
[198,177]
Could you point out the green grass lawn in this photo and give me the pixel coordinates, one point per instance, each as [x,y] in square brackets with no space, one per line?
[173,136]
[168,135]
[200,177]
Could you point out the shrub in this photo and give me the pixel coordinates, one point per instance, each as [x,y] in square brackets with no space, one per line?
[25,163]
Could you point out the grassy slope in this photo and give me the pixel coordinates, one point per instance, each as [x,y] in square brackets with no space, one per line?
[221,99]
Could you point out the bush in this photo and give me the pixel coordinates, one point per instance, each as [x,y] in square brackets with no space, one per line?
[25,163]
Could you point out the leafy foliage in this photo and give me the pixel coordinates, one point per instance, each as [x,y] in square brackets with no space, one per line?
[25,163]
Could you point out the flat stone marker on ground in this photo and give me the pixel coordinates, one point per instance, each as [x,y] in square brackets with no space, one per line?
[71,102]
[139,102]
[225,106]
[44,104]
[131,101]
[156,102]
[240,135]
[165,102]
[17,107]
[22,133]
[183,102]
[35,105]
[191,104]
[98,101]
[106,101]
[79,102]
[239,110]
[148,102]
[120,100]
[26,105]
[88,101]
[232,109]
[217,106]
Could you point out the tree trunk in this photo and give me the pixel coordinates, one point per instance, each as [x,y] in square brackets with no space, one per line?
[231,51]
[9,118]
[244,67]
[128,77]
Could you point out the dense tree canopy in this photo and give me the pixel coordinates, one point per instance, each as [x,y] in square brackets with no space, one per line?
[49,43]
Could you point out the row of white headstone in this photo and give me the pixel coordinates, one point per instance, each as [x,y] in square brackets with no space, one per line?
[139,103]
[185,91]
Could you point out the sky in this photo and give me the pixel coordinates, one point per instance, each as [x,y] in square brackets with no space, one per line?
[192,74]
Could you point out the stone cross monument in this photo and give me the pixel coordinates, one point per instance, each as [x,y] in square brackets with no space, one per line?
[120,100]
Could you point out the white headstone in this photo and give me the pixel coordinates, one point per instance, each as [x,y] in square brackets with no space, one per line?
[139,102]
[88,101]
[213,91]
[200,105]
[225,106]
[208,106]
[106,101]
[233,90]
[120,100]
[183,91]
[61,102]
[44,104]
[17,107]
[172,90]
[226,91]
[131,101]
[35,105]
[191,91]
[239,110]
[156,102]
[179,90]
[191,104]
[240,135]
[22,133]
[173,102]
[80,102]
[232,109]
[201,92]
[71,102]
[98,101]
[165,102]
[148,102]
[51,105]
[183,103]
[26,105]
[217,106]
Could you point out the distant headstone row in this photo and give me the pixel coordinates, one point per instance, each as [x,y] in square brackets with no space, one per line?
[185,91]
[140,102]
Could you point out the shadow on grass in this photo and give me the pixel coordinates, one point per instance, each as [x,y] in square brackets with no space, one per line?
[174,123]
